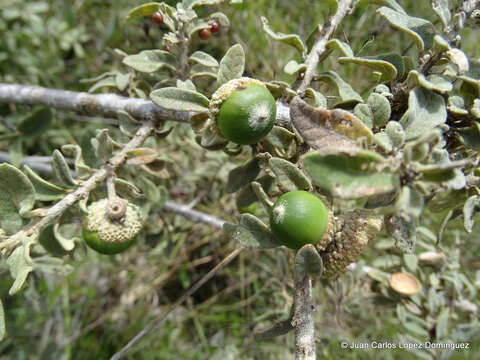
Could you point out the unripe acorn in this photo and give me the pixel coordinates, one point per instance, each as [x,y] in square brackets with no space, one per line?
[298,218]
[157,18]
[111,226]
[204,34]
[244,110]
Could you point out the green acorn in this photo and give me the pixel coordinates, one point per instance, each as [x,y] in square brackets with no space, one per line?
[111,226]
[244,110]
[298,218]
[353,232]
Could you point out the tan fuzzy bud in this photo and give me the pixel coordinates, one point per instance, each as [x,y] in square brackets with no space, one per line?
[353,232]
[116,231]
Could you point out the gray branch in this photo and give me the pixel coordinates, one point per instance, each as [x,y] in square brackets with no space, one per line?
[48,215]
[303,319]
[107,105]
[41,164]
[83,103]
[194,215]
[319,47]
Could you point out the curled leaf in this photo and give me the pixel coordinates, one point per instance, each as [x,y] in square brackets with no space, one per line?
[20,265]
[421,31]
[349,176]
[308,262]
[330,131]
[250,232]
[289,176]
[17,197]
[290,39]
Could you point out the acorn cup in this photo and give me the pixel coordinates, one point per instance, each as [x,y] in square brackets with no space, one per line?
[405,284]
[353,231]
[111,226]
[244,110]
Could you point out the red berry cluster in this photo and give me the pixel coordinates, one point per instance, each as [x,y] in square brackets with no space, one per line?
[205,34]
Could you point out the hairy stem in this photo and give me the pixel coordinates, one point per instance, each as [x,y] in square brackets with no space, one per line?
[303,318]
[319,47]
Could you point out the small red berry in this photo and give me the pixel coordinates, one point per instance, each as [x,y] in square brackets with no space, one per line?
[214,26]
[204,34]
[157,18]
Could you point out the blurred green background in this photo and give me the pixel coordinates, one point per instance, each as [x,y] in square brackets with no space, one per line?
[102,302]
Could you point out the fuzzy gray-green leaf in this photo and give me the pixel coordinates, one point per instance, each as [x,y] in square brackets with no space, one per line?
[433,82]
[173,98]
[391,3]
[380,107]
[441,8]
[468,212]
[292,67]
[44,190]
[17,196]
[345,176]
[66,234]
[347,95]
[204,59]
[421,31]
[250,232]
[426,110]
[290,39]
[244,174]
[20,265]
[61,170]
[232,65]
[149,61]
[289,176]
[221,18]
[385,67]
[139,12]
[82,170]
[36,122]
[308,262]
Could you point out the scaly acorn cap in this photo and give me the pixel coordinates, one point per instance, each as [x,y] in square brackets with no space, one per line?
[224,91]
[113,231]
[329,234]
[353,231]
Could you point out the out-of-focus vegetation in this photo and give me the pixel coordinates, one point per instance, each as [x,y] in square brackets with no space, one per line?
[103,302]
